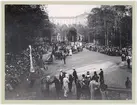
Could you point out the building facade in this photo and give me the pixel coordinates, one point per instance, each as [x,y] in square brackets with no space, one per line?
[80,19]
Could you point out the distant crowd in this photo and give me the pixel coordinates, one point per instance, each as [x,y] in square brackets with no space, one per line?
[125,53]
[112,51]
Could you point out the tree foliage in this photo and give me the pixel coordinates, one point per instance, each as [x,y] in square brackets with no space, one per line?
[107,24]
[82,29]
[72,34]
[24,23]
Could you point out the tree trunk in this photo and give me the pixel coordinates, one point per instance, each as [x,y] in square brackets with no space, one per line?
[105,32]
[19,43]
[89,39]
[120,38]
[119,34]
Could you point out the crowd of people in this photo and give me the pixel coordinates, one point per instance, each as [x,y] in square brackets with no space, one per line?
[112,51]
[59,50]
[125,53]
[17,65]
[87,86]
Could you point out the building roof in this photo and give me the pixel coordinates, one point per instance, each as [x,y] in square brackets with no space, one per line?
[71,17]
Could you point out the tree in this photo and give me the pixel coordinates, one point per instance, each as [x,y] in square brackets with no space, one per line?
[63,31]
[72,34]
[106,24]
[23,23]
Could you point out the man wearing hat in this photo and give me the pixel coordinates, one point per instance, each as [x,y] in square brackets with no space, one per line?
[57,86]
[61,76]
[101,74]
[88,76]
[75,75]
[47,85]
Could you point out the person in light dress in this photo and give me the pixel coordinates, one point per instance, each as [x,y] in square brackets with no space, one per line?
[66,85]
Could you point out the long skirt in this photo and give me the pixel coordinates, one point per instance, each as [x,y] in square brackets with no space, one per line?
[66,91]
[97,94]
[92,95]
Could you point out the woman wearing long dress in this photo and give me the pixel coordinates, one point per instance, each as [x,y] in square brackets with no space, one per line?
[93,86]
[65,85]
[70,52]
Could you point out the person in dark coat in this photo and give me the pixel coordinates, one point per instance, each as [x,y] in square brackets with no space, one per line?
[128,83]
[64,57]
[101,74]
[56,48]
[123,56]
[78,89]
[85,87]
[88,77]
[95,77]
[128,61]
[70,82]
[61,76]
[57,86]
[75,76]
[47,82]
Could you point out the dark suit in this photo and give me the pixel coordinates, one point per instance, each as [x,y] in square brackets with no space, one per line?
[75,76]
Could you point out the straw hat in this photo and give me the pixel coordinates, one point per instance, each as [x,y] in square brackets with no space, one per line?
[60,70]
[67,75]
[73,68]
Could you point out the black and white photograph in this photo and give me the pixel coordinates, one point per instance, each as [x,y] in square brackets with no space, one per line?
[68,52]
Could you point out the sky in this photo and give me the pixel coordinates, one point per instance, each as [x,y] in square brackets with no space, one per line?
[68,10]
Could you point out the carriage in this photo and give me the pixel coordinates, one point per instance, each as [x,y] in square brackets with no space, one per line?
[48,58]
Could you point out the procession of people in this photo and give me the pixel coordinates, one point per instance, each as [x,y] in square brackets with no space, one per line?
[86,86]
